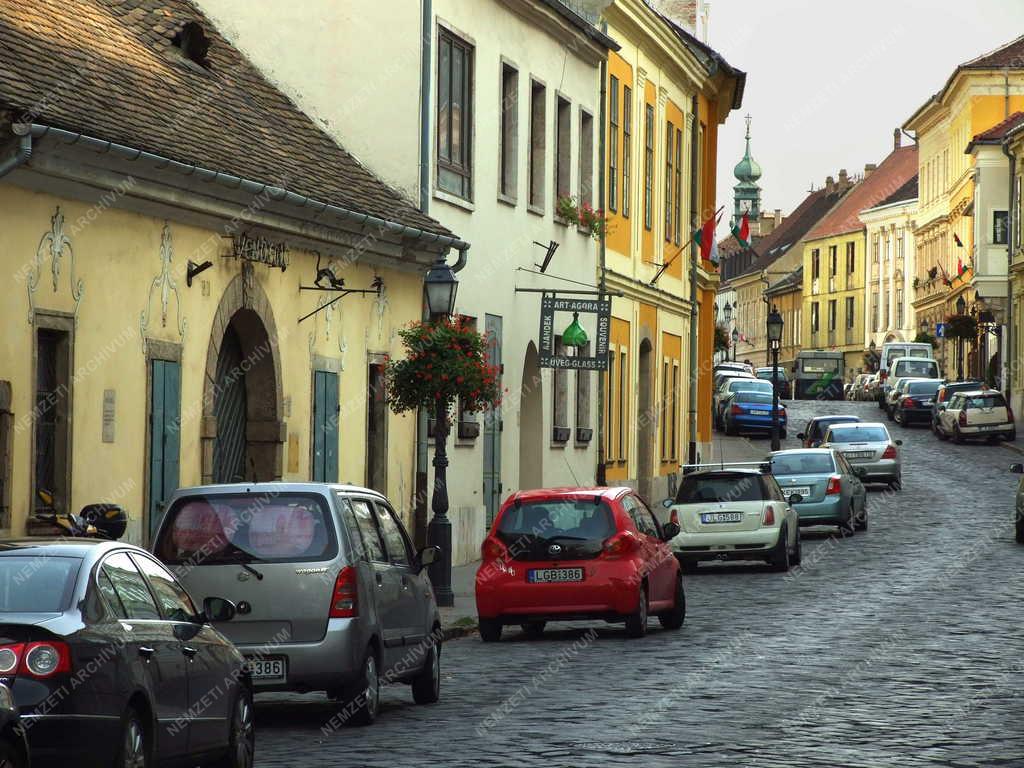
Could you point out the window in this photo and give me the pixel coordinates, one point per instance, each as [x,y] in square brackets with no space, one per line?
[109,594]
[538,116]
[586,166]
[627,147]
[399,549]
[832,314]
[832,249]
[669,179]
[583,392]
[559,391]
[899,307]
[814,317]
[874,312]
[674,447]
[678,213]
[815,264]
[720,487]
[373,544]
[851,262]
[175,604]
[454,114]
[665,368]
[51,418]
[1000,227]
[849,312]
[509,131]
[610,409]
[37,583]
[642,518]
[648,166]
[464,416]
[130,587]
[622,407]
[243,528]
[563,149]
[613,144]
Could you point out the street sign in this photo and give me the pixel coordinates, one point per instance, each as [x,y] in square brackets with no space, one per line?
[551,303]
[940,330]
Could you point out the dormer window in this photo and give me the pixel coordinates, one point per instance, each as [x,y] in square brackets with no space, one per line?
[193,44]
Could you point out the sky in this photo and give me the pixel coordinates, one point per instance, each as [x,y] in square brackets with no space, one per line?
[829,80]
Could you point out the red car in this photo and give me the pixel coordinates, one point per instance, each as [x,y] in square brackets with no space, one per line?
[570,554]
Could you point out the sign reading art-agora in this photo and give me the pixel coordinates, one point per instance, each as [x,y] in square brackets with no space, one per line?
[600,309]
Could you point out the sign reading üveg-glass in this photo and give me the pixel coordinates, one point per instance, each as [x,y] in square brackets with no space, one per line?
[549,332]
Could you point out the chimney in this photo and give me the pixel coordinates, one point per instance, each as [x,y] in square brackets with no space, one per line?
[778,216]
[842,177]
[682,12]
[896,135]
[868,168]
[830,185]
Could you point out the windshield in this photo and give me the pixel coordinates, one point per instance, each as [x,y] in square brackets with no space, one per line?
[986,401]
[700,490]
[923,387]
[920,368]
[247,528]
[802,464]
[546,520]
[861,435]
[37,583]
[919,353]
[818,365]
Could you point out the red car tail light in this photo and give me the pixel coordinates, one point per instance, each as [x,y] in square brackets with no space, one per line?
[889,452]
[492,549]
[345,600]
[907,402]
[736,410]
[622,543]
[882,376]
[674,516]
[962,419]
[1009,413]
[46,659]
[834,486]
[769,516]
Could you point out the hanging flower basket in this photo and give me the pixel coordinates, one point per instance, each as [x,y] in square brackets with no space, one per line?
[445,361]
[960,327]
[722,340]
[585,216]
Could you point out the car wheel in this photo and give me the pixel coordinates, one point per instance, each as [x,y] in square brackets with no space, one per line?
[1012,437]
[1020,530]
[958,437]
[135,747]
[490,630]
[689,566]
[780,557]
[941,433]
[426,686]
[889,414]
[674,618]
[782,435]
[12,755]
[798,551]
[364,701]
[862,519]
[534,629]
[897,484]
[730,429]
[242,737]
[636,622]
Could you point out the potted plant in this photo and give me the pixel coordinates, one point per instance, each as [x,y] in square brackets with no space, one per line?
[566,210]
[961,327]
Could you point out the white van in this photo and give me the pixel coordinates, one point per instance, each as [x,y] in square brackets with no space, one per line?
[912,367]
[890,352]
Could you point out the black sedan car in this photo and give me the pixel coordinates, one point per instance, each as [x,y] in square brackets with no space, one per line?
[111,664]
[816,428]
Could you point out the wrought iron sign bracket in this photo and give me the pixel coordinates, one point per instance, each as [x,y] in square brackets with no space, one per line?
[194,270]
[376,288]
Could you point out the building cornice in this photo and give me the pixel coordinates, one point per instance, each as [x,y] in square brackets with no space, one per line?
[636,290]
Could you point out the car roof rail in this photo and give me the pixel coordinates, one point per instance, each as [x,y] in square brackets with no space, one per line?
[762,465]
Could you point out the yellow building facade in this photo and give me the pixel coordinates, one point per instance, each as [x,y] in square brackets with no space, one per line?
[664,104]
[1014,145]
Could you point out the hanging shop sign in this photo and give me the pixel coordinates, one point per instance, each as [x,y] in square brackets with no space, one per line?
[259,250]
[573,335]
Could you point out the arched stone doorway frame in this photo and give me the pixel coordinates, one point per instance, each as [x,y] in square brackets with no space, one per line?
[244,293]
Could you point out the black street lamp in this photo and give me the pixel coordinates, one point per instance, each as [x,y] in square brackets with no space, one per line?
[440,286]
[727,312]
[775,324]
[735,341]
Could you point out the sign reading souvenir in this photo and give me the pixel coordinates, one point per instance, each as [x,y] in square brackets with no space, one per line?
[259,250]
[574,337]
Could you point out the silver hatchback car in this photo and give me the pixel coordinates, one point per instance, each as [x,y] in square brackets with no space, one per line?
[330,594]
[870,447]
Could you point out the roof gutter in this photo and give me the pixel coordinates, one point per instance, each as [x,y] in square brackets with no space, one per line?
[20,157]
[29,131]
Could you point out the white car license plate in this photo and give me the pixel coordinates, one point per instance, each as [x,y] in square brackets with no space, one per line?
[553,575]
[926,402]
[988,426]
[803,490]
[265,669]
[721,517]
[759,413]
[859,454]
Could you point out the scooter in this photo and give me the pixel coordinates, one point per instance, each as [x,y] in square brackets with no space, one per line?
[95,521]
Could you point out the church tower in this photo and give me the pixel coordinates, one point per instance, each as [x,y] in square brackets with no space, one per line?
[747,194]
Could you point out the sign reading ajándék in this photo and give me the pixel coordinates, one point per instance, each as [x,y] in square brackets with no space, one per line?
[550,304]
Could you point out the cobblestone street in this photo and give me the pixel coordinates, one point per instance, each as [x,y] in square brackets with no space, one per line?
[900,646]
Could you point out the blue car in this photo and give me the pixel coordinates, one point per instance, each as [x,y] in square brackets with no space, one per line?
[751,412]
[830,488]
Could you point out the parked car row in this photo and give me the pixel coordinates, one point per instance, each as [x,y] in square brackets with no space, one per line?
[248,588]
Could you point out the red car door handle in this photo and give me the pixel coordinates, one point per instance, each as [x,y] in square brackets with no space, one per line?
[146,652]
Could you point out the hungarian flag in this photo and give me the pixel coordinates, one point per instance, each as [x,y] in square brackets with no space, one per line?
[960,268]
[742,232]
[705,238]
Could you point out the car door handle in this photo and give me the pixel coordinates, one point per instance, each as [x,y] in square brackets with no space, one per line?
[189,651]
[380,580]
[146,652]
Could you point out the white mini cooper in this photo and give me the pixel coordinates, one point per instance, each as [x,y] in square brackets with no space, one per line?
[734,514]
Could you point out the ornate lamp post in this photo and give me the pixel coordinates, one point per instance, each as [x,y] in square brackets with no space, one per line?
[874,360]
[735,341]
[440,286]
[961,305]
[775,324]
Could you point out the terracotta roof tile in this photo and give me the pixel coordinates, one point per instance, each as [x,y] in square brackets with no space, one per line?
[1009,55]
[997,133]
[108,68]
[890,176]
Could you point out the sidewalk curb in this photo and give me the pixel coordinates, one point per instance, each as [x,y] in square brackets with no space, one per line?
[454,633]
[1012,447]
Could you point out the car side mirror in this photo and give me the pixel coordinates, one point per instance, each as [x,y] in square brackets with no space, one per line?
[795,498]
[218,609]
[427,556]
[1017,469]
[667,503]
[669,531]
[899,442]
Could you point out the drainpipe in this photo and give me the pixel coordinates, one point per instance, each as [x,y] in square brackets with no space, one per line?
[691,453]
[1005,359]
[20,157]
[601,476]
